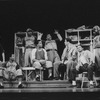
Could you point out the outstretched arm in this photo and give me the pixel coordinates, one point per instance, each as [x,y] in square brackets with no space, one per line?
[58,35]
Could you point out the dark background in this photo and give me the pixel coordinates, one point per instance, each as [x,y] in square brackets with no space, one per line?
[44,16]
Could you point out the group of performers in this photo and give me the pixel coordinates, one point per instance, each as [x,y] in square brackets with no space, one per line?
[43,54]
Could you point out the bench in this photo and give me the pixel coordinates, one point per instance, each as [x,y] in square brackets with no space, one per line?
[31,69]
[26,69]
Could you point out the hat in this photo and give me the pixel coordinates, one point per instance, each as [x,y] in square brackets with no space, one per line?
[96,27]
[69,40]
[12,57]
[29,30]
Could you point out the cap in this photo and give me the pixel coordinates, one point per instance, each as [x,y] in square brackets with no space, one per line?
[12,57]
[29,30]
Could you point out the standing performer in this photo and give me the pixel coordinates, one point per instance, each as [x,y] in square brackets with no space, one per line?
[96,49]
[52,53]
[29,45]
[51,47]
[96,45]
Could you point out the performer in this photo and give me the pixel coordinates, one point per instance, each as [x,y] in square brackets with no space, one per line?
[52,53]
[85,64]
[11,71]
[96,45]
[96,49]
[29,45]
[51,48]
[69,56]
[40,60]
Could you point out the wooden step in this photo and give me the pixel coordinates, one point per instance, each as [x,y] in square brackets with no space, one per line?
[46,90]
[39,84]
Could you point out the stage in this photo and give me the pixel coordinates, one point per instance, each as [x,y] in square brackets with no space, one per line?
[48,90]
[45,86]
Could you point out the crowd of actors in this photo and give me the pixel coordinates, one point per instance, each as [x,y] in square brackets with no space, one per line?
[43,54]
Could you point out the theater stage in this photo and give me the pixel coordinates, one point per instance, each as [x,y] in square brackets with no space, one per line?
[47,86]
[48,90]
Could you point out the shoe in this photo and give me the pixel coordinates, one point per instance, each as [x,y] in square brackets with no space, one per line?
[78,86]
[91,86]
[1,86]
[98,86]
[38,78]
[69,80]
[56,78]
[50,78]
[20,86]
[61,78]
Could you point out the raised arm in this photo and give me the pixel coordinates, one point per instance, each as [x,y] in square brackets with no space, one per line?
[58,35]
[39,36]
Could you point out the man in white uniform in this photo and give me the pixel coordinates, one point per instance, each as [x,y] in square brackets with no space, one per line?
[40,60]
[85,64]
[11,72]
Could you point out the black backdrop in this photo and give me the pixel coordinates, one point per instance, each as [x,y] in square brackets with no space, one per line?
[44,16]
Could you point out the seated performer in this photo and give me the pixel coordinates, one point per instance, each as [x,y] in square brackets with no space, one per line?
[39,60]
[85,64]
[69,56]
[11,71]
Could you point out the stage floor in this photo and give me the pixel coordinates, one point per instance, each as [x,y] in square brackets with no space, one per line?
[47,90]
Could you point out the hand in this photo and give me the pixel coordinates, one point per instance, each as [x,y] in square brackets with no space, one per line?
[56,32]
[77,67]
[40,34]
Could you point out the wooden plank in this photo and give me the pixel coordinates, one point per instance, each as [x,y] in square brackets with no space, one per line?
[41,82]
[48,90]
[38,84]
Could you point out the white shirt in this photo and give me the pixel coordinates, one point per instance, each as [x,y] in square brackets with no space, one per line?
[50,45]
[34,51]
[69,51]
[86,57]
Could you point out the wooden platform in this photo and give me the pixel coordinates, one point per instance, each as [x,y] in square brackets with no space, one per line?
[47,86]
[47,90]
[39,84]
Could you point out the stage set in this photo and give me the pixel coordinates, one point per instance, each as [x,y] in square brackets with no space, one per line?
[80,35]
